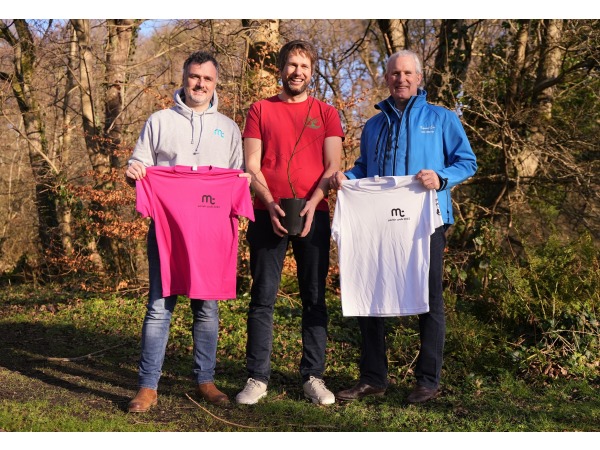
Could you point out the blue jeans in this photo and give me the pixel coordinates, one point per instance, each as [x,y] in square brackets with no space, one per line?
[432,331]
[155,331]
[267,254]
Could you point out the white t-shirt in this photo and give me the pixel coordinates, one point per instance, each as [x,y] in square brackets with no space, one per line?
[382,227]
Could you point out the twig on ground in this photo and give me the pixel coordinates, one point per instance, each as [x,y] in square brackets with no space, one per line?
[251,427]
[409,366]
[219,418]
[80,358]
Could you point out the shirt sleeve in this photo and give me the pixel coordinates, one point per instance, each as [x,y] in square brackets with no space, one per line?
[435,216]
[461,162]
[143,151]
[252,128]
[241,202]
[143,196]
[333,123]
[237,154]
[336,224]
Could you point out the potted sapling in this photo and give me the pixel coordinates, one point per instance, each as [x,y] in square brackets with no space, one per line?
[292,221]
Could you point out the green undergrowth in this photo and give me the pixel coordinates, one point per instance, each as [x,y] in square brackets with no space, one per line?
[69,363]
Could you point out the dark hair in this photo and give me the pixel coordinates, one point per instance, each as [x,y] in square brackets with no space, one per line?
[297,46]
[200,57]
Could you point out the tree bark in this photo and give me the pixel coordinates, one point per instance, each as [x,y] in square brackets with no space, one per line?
[528,159]
[66,138]
[452,61]
[100,159]
[45,173]
[518,65]
[549,68]
[121,41]
[262,37]
[394,34]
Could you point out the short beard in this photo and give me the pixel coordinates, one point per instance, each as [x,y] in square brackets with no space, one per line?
[294,92]
[191,98]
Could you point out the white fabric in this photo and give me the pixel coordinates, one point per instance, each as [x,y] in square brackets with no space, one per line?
[382,227]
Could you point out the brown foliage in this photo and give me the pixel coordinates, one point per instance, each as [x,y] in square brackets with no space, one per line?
[523,100]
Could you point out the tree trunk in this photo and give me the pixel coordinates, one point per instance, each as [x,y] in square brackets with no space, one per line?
[394,34]
[528,159]
[45,173]
[121,39]
[518,66]
[262,74]
[100,160]
[120,44]
[103,147]
[66,138]
[549,68]
[452,62]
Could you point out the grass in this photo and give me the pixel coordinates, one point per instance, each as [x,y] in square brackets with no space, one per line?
[68,362]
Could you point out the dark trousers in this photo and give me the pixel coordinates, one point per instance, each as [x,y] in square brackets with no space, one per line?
[267,254]
[432,331]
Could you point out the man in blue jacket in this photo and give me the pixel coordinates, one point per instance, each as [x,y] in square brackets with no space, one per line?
[411,137]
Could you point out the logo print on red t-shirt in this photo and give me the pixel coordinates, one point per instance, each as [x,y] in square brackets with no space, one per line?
[313,123]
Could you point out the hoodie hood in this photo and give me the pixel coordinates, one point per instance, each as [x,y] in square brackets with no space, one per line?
[186,111]
[196,118]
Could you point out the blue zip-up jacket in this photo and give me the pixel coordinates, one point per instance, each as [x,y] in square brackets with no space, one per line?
[425,136]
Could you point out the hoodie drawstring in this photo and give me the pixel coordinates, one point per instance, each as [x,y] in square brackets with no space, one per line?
[192,124]
[200,133]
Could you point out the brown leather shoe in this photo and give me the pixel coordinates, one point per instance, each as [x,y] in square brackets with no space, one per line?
[210,393]
[145,399]
[421,394]
[359,391]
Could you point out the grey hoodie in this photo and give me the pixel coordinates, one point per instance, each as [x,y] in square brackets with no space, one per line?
[181,136]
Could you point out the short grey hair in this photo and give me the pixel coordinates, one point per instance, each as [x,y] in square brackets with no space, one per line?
[403,53]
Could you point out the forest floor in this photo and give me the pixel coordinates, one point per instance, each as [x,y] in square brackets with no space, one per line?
[68,362]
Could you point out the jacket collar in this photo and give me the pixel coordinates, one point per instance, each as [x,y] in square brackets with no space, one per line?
[416,101]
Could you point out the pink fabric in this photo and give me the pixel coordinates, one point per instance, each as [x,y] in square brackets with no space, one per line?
[195,214]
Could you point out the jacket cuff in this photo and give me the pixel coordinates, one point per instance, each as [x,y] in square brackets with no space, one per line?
[443,183]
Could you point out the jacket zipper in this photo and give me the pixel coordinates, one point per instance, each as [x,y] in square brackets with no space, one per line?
[407,113]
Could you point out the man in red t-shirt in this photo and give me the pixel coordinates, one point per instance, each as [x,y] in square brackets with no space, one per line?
[292,146]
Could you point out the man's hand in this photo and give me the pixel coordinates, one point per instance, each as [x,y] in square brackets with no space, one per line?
[276,212]
[247,176]
[135,171]
[335,182]
[308,212]
[429,179]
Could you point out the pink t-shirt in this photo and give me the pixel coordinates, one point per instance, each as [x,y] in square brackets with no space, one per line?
[195,214]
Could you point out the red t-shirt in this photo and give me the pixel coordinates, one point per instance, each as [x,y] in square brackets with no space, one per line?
[195,215]
[283,126]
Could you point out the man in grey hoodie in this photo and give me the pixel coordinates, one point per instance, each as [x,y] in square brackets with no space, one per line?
[191,133]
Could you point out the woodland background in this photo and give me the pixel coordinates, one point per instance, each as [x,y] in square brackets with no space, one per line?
[523,252]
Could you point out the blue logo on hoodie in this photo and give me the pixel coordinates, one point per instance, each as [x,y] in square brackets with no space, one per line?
[219,133]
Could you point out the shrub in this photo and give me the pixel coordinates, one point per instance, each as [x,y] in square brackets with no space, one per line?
[545,301]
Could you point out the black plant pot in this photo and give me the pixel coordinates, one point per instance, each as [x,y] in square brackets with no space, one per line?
[292,221]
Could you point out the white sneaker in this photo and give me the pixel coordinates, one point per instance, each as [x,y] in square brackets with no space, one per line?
[315,390]
[252,392]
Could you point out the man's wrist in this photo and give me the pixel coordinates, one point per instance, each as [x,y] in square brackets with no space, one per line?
[443,183]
